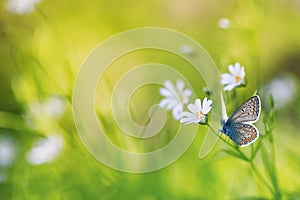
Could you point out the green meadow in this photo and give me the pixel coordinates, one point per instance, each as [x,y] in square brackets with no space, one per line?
[43,45]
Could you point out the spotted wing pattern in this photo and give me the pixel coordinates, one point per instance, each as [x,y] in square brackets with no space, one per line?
[242,134]
[248,112]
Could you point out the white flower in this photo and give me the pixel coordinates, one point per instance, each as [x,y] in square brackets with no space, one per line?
[45,150]
[283,90]
[40,113]
[235,78]
[54,106]
[21,6]
[224,23]
[7,152]
[198,113]
[175,98]
[186,49]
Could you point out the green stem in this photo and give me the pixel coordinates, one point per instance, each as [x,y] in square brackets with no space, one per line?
[260,176]
[235,147]
[250,161]
[275,180]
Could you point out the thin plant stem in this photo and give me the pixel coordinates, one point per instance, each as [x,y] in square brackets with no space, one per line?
[260,176]
[250,161]
[232,146]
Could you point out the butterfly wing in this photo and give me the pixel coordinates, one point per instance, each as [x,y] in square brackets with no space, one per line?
[248,112]
[241,133]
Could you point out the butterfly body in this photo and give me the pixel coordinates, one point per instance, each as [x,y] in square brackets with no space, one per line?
[238,127]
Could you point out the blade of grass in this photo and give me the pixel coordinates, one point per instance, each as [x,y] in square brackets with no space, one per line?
[233,153]
[12,121]
[268,159]
[260,177]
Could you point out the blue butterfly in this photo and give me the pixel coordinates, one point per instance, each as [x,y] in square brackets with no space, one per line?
[238,127]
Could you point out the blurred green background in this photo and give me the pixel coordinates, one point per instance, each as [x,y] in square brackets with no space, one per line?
[43,44]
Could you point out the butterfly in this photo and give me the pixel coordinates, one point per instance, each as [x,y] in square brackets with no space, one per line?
[238,127]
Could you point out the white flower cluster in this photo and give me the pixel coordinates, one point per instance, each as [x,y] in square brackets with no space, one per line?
[176,97]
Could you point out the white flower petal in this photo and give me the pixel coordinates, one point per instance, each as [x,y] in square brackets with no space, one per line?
[237,67]
[206,106]
[198,105]
[229,87]
[163,103]
[185,100]
[171,104]
[177,112]
[204,102]
[166,92]
[242,73]
[189,119]
[175,97]
[206,109]
[231,69]
[192,108]
[180,85]
[197,121]
[169,86]
[238,73]
[187,93]
[187,114]
[186,121]
[226,79]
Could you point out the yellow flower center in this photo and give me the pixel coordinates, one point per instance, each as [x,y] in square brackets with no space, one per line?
[200,115]
[181,98]
[237,79]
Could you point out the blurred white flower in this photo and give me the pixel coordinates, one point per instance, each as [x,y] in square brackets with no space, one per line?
[21,6]
[224,23]
[45,150]
[206,90]
[235,78]
[41,114]
[283,90]
[186,49]
[7,152]
[198,112]
[175,98]
[54,106]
